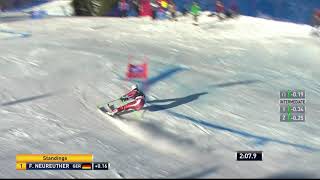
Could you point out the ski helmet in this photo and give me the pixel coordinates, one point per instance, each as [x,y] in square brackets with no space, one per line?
[134,86]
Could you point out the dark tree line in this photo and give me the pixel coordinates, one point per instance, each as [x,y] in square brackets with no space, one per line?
[10,4]
[93,7]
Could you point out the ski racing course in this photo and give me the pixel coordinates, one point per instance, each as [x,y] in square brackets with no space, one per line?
[213,89]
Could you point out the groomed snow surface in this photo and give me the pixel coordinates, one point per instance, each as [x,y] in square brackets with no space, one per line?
[213,90]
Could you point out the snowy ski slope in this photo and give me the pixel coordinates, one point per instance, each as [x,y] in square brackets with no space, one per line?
[213,90]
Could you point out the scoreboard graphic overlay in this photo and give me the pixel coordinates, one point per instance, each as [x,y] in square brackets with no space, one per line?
[59,162]
[292,106]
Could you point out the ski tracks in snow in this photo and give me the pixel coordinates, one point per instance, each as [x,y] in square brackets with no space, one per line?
[137,130]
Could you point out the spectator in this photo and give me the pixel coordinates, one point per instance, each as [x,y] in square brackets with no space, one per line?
[161,14]
[228,13]
[219,9]
[172,10]
[145,8]
[135,6]
[316,18]
[155,7]
[234,8]
[123,7]
[232,11]
[185,10]
[195,11]
[164,4]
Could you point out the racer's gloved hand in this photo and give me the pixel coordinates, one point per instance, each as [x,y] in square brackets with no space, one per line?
[123,98]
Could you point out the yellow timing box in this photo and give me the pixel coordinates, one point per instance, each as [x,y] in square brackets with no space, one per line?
[54,158]
[21,166]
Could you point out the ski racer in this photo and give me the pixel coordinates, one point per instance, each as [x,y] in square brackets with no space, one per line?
[138,101]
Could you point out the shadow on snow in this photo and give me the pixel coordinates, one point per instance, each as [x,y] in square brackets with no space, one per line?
[259,140]
[235,83]
[32,98]
[174,102]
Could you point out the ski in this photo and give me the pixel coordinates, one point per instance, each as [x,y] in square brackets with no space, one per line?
[106,109]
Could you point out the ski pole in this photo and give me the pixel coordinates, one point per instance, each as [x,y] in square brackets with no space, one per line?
[113,101]
[107,103]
